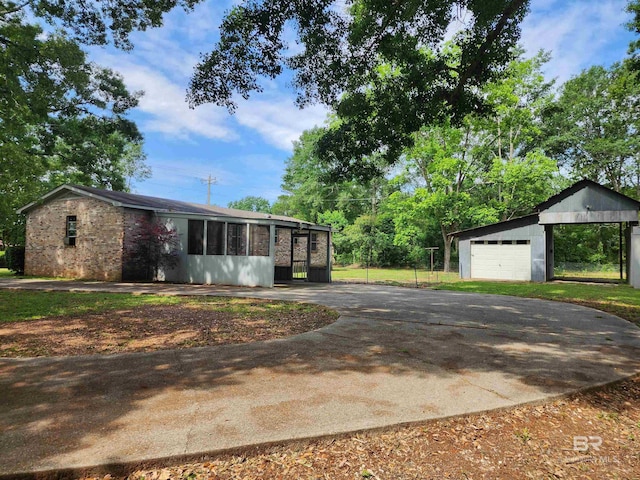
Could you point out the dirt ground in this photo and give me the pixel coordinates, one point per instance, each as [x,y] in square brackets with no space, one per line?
[588,436]
[159,327]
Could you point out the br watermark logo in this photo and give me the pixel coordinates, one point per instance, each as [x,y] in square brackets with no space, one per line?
[591,444]
[584,444]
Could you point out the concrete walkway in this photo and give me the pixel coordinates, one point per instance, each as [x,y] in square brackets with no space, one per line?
[395,355]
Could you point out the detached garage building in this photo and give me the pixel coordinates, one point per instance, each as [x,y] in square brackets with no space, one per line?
[522,248]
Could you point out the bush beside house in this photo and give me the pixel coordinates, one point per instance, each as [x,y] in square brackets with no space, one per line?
[14,257]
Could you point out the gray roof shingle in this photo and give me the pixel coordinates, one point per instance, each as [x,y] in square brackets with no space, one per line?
[158,204]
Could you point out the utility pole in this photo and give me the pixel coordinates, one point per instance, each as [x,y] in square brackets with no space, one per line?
[209,181]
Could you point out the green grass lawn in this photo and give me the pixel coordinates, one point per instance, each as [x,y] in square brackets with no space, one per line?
[24,305]
[398,276]
[19,305]
[620,300]
[5,272]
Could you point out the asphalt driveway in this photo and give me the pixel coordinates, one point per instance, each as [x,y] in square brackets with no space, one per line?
[395,355]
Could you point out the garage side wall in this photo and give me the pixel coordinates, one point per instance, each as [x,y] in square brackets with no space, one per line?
[532,233]
[97,253]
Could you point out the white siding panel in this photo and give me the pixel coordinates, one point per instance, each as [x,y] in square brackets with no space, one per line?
[501,262]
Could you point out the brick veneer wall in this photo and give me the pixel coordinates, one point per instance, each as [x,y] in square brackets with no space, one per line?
[132,221]
[300,249]
[283,248]
[259,240]
[319,257]
[98,250]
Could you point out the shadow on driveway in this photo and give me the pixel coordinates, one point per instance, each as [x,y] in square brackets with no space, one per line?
[395,355]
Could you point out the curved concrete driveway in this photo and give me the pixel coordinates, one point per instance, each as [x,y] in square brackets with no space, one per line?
[395,355]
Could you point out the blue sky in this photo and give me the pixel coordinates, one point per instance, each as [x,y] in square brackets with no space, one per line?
[246,152]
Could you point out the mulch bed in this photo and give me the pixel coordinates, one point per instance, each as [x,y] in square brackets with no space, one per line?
[529,442]
[160,327]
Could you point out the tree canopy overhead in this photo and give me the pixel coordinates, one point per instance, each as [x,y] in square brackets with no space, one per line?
[633,7]
[101,21]
[379,60]
[383,66]
[341,49]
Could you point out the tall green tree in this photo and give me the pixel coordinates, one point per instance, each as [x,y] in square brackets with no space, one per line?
[62,119]
[633,7]
[310,192]
[592,127]
[343,44]
[251,204]
[448,188]
[485,170]
[517,172]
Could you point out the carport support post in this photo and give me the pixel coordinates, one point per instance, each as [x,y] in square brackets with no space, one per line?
[627,249]
[634,261]
[308,254]
[548,252]
[329,256]
[620,249]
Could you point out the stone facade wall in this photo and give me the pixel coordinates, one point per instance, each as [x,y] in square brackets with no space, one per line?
[97,254]
[259,240]
[300,249]
[319,257]
[283,247]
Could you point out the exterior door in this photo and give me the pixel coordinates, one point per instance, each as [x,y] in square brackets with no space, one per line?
[300,256]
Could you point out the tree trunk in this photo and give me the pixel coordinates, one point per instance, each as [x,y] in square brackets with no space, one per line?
[447,256]
[447,250]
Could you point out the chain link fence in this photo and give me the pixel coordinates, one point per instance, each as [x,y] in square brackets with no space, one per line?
[588,270]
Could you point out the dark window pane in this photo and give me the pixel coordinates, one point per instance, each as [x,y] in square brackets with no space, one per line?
[71,230]
[314,242]
[215,238]
[196,237]
[236,239]
[259,236]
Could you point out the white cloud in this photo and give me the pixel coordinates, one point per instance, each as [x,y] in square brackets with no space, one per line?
[165,106]
[159,49]
[578,34]
[161,64]
[279,121]
[201,25]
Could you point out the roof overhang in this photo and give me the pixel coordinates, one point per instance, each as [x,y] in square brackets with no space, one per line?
[268,220]
[530,219]
[56,192]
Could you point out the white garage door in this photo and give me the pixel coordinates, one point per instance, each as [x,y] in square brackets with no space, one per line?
[501,261]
